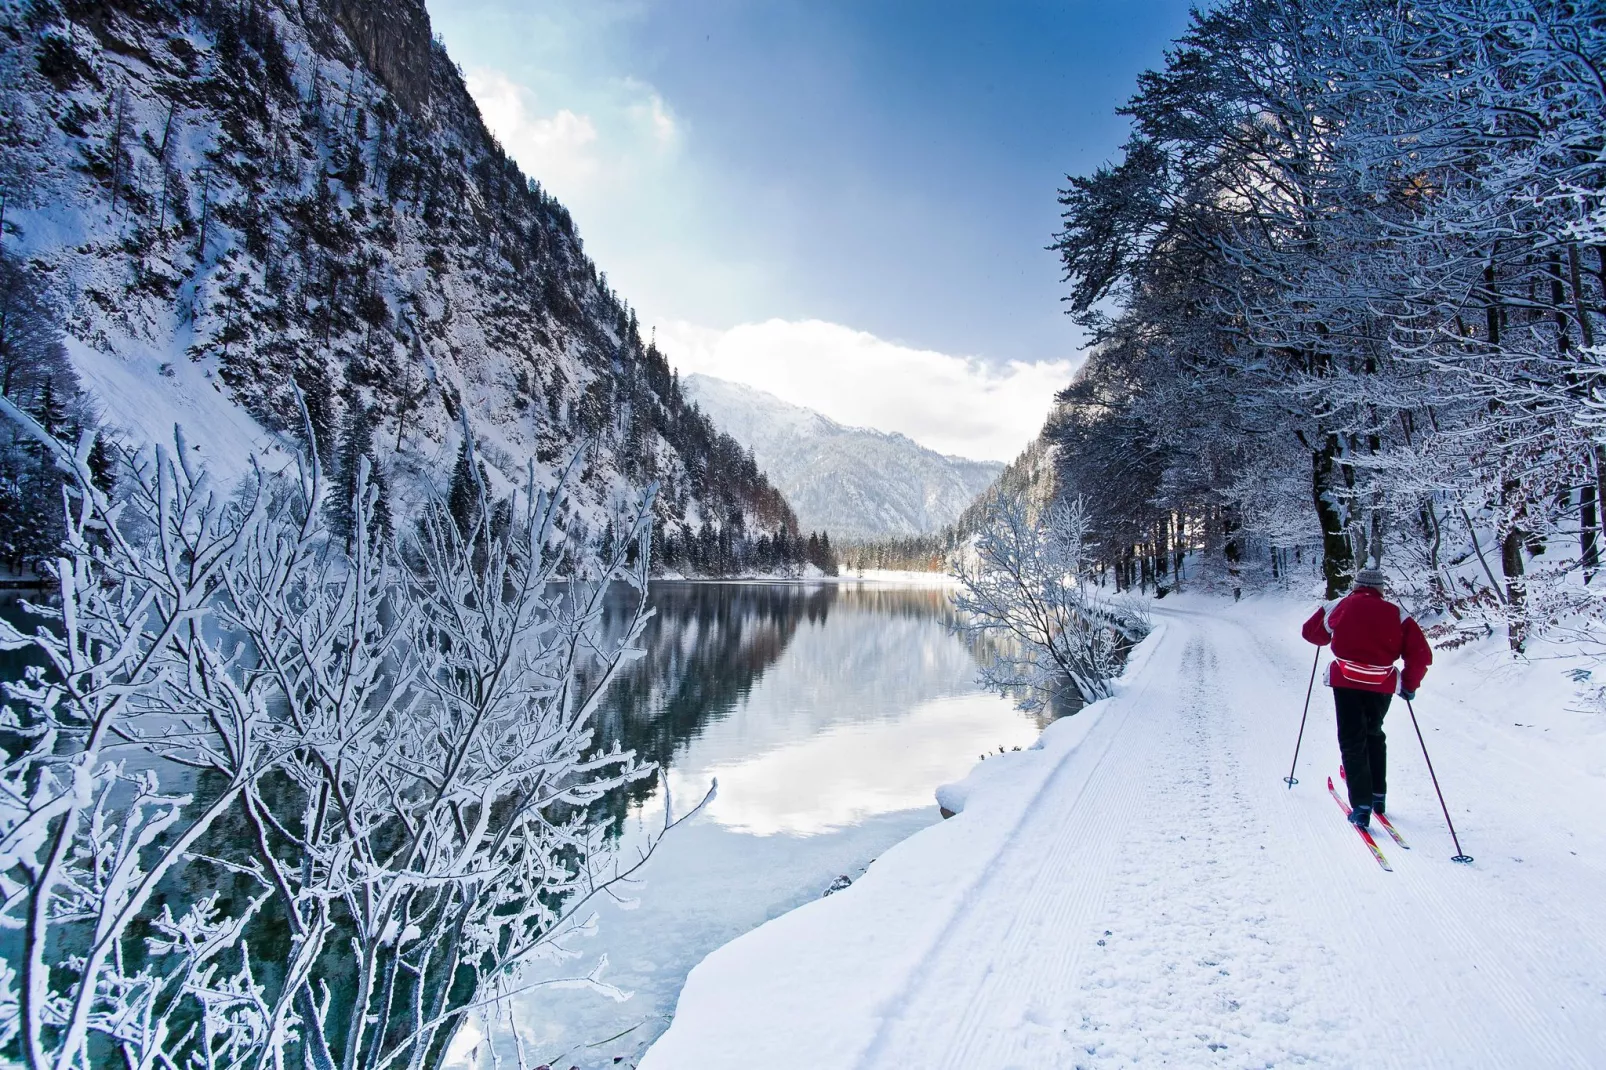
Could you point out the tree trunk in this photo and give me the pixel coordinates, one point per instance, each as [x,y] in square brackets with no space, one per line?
[1598,453]
[1511,566]
[1338,562]
[1230,547]
[1516,590]
[1580,309]
[1588,536]
[1162,549]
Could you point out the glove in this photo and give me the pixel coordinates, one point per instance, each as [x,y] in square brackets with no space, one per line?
[1407,695]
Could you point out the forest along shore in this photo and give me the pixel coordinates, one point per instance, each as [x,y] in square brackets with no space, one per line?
[1142,885]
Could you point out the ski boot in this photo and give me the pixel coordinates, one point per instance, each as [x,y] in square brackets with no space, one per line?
[1361,817]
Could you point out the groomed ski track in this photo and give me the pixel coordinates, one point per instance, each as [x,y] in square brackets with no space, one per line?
[1146,891]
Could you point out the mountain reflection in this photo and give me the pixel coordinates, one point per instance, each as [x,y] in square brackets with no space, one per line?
[710,643]
[706,646]
[692,703]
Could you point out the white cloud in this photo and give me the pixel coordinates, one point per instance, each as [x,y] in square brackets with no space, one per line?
[559,149]
[595,157]
[955,405]
[654,116]
[624,162]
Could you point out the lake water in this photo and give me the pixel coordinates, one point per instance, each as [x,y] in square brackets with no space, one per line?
[828,714]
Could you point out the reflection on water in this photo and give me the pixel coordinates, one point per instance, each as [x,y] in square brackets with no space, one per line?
[847,774]
[13,663]
[829,715]
[706,646]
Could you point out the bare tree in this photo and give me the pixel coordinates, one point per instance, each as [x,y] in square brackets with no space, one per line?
[1025,586]
[378,763]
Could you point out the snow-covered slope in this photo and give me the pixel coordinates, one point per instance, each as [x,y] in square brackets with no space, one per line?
[1142,888]
[226,201]
[854,482]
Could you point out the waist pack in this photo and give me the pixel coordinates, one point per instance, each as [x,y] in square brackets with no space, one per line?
[1359,674]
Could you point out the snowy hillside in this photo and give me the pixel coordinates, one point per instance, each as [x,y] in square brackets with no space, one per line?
[223,202]
[854,482]
[1142,887]
[1029,476]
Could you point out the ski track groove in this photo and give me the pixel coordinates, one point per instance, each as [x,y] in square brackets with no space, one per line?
[936,973]
[1438,923]
[1268,937]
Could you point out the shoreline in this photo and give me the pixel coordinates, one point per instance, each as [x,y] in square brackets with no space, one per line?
[1078,909]
[885,577]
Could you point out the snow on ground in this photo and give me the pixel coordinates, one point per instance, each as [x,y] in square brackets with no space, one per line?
[812,574]
[145,392]
[901,577]
[1142,888]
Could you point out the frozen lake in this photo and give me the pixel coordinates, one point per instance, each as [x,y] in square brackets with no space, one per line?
[828,714]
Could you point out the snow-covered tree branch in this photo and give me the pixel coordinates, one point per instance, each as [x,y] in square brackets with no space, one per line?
[1356,256]
[275,797]
[1025,586]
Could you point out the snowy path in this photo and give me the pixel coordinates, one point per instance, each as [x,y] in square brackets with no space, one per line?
[1157,896]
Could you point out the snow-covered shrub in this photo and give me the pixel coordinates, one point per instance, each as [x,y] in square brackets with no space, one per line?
[273,801]
[1025,587]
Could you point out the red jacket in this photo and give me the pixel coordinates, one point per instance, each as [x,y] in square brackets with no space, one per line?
[1370,631]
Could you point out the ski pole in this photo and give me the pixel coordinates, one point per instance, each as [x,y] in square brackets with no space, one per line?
[1289,779]
[1460,855]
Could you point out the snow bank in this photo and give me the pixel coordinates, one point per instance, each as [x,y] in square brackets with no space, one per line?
[780,996]
[901,577]
[1140,887]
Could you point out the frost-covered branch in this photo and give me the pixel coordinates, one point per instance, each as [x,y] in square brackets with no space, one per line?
[1024,586]
[377,755]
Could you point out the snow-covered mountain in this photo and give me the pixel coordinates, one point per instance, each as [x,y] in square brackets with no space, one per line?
[853,482]
[222,202]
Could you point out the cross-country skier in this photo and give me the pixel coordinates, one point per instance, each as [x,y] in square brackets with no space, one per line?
[1369,634]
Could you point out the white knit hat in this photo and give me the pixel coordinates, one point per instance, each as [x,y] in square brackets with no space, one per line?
[1372,577]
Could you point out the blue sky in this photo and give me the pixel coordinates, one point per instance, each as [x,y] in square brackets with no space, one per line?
[815,197]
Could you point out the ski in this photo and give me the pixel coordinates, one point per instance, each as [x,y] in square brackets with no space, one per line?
[1377,852]
[1388,826]
[1382,820]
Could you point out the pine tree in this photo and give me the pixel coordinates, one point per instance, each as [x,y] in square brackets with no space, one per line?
[10,529]
[659,548]
[383,522]
[827,555]
[317,392]
[40,525]
[356,444]
[48,409]
[463,497]
[102,464]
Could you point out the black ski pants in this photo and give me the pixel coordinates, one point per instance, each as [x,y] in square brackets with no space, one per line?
[1361,742]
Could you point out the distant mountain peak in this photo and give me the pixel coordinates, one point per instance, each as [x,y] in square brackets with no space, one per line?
[855,482]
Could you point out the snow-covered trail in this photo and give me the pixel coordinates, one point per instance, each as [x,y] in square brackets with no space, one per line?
[1158,896]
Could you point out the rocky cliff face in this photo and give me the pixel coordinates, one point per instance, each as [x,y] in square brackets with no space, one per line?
[393,39]
[229,199]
